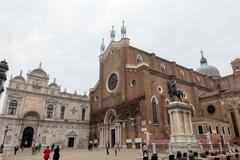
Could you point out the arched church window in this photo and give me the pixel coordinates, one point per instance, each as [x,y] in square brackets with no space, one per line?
[83,114]
[182,75]
[49,111]
[12,107]
[154,111]
[162,67]
[62,112]
[139,59]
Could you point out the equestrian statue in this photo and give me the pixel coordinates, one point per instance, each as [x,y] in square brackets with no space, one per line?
[173,91]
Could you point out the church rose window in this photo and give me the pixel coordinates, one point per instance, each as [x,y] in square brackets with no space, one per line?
[211,109]
[12,107]
[112,81]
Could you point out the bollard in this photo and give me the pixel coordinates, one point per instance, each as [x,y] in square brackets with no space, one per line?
[154,152]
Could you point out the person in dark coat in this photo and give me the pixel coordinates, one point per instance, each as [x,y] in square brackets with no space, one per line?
[107,147]
[56,154]
[52,147]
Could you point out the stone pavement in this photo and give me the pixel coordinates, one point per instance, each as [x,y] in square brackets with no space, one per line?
[81,154]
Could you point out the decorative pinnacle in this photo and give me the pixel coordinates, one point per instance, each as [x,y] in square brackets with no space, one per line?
[21,73]
[123,30]
[102,46]
[112,34]
[54,80]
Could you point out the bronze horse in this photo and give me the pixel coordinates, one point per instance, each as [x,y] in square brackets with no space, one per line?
[173,91]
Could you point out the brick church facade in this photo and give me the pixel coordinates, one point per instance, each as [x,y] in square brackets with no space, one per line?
[128,103]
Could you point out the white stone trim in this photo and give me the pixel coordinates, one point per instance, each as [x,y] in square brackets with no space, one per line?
[134,66]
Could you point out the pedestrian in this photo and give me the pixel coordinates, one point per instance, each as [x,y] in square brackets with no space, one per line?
[22,147]
[39,147]
[46,153]
[16,147]
[33,149]
[107,147]
[56,154]
[52,147]
[116,149]
[145,153]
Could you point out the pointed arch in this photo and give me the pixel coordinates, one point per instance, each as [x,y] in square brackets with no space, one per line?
[154,103]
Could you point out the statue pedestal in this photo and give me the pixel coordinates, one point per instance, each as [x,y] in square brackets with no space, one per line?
[182,137]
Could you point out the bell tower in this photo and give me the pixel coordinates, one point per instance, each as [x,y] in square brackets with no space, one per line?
[236,66]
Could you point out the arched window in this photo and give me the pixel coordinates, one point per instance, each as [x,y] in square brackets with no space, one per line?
[62,112]
[49,111]
[83,114]
[154,111]
[12,107]
[139,59]
[162,68]
[182,75]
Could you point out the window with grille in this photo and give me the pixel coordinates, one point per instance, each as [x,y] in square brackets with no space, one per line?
[12,107]
[49,111]
[62,112]
[83,114]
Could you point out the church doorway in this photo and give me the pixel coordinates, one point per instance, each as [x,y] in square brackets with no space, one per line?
[27,137]
[113,137]
[71,141]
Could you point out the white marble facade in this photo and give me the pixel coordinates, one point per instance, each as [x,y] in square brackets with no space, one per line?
[38,112]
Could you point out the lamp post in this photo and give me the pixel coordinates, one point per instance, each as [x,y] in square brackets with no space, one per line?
[5,133]
[3,77]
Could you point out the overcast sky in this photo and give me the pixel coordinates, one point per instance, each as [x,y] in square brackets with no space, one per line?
[66,35]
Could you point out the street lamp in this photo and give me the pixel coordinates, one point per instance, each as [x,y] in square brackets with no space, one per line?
[5,133]
[3,77]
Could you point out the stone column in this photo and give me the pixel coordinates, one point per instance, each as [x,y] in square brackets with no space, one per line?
[186,124]
[181,125]
[190,123]
[171,122]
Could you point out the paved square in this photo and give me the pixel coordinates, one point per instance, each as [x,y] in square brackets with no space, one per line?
[74,154]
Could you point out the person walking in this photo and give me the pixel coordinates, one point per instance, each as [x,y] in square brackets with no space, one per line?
[116,149]
[52,147]
[107,147]
[22,147]
[145,153]
[46,153]
[16,149]
[56,154]
[39,147]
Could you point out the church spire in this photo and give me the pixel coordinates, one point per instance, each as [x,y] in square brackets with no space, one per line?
[112,34]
